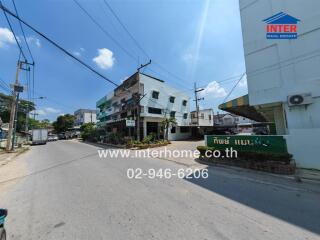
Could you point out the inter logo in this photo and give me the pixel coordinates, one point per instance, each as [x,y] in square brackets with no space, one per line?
[281,26]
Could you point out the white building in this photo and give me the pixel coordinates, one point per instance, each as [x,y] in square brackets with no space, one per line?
[158,101]
[205,118]
[279,68]
[85,116]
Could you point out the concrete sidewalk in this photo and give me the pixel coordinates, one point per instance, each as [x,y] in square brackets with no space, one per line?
[6,157]
[181,146]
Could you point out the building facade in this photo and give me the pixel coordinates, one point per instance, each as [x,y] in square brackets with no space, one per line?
[85,116]
[283,74]
[205,118]
[157,102]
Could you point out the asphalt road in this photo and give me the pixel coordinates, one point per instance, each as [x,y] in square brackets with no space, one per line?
[68,192]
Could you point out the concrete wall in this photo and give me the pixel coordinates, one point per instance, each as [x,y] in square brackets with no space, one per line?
[304,145]
[178,135]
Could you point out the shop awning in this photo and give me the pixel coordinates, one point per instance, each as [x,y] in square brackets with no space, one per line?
[240,106]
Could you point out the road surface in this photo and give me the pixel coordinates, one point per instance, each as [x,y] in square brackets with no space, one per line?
[68,192]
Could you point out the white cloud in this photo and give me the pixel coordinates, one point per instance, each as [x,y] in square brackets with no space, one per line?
[76,53]
[51,110]
[34,40]
[214,90]
[6,37]
[46,111]
[82,49]
[105,59]
[41,112]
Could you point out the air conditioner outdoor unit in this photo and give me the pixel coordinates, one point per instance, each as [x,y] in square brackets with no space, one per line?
[300,99]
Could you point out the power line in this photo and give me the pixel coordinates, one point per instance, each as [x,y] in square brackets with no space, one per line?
[24,36]
[4,88]
[55,101]
[11,28]
[234,87]
[138,45]
[5,85]
[125,28]
[104,31]
[58,46]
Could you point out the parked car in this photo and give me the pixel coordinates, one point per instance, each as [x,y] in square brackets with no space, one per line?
[52,137]
[62,136]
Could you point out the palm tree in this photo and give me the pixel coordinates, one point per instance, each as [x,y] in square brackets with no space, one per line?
[166,123]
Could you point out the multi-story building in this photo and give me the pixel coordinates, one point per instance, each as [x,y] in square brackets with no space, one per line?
[205,118]
[157,102]
[283,74]
[85,116]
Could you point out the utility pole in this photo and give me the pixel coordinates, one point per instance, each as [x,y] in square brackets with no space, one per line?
[14,104]
[17,89]
[34,115]
[27,115]
[197,99]
[139,99]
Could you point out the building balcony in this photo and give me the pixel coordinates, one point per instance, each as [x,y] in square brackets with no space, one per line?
[103,103]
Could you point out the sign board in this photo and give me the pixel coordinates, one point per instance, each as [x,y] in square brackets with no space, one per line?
[130,123]
[255,143]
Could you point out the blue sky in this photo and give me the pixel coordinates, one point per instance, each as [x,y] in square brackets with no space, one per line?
[195,40]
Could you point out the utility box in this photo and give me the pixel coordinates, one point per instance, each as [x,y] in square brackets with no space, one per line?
[39,136]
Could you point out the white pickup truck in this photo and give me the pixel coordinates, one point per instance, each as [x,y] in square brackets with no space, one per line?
[39,136]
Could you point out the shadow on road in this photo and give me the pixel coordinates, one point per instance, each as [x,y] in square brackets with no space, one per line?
[290,204]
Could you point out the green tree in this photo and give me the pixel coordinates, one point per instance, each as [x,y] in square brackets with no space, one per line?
[24,107]
[33,123]
[63,122]
[45,123]
[89,132]
[165,124]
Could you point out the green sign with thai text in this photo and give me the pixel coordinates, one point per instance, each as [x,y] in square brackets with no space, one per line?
[257,143]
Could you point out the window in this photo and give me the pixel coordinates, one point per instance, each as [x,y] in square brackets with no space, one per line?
[171,99]
[154,110]
[185,115]
[172,114]
[123,100]
[193,115]
[184,129]
[155,95]
[184,102]
[209,117]
[173,130]
[202,116]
